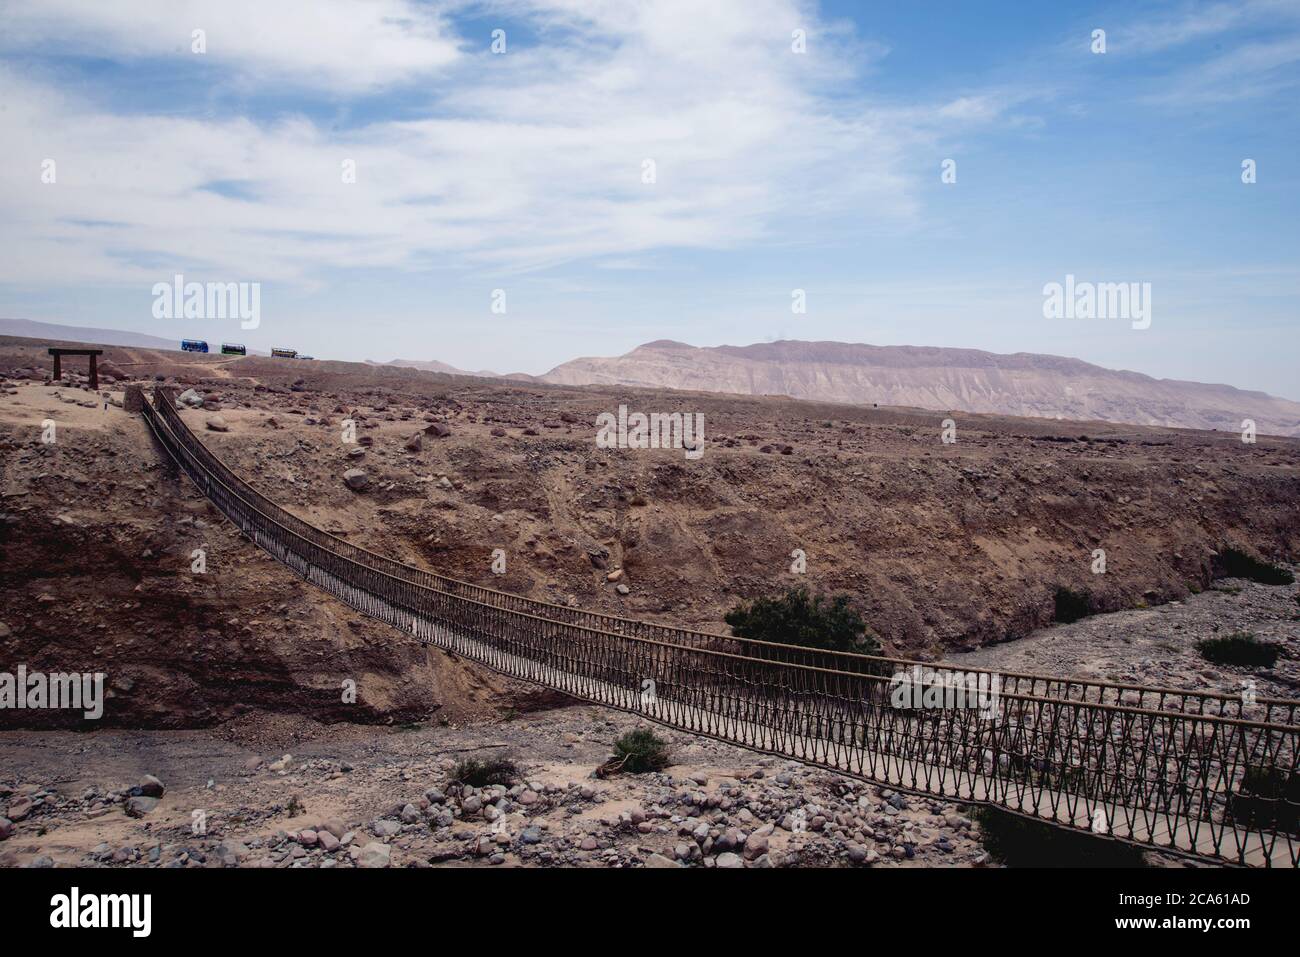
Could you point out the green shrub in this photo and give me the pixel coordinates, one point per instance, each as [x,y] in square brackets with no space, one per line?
[1019,842]
[1269,798]
[1231,563]
[1239,648]
[799,618]
[641,750]
[480,774]
[1072,605]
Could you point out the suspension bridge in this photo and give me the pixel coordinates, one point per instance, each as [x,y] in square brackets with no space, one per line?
[1193,773]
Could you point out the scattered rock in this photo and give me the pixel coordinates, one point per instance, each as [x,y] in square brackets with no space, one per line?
[375,855]
[139,805]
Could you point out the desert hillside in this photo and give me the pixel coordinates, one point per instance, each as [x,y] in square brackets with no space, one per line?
[965,380]
[942,547]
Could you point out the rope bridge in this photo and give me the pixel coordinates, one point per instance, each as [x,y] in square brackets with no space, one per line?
[1199,774]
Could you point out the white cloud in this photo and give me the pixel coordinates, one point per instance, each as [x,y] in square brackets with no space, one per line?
[1248,71]
[344,45]
[521,161]
[1195,21]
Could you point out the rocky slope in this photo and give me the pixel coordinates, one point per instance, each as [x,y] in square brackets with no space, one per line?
[331,797]
[284,791]
[931,378]
[941,547]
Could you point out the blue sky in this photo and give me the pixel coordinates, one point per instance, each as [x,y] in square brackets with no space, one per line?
[775,171]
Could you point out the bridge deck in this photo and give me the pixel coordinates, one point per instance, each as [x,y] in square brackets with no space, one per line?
[1174,780]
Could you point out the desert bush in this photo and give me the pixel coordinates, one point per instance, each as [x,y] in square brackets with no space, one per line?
[477,773]
[641,750]
[1072,605]
[1269,798]
[1239,648]
[1231,563]
[1019,842]
[801,618]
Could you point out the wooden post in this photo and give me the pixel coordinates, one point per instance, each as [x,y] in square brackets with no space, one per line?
[57,370]
[94,375]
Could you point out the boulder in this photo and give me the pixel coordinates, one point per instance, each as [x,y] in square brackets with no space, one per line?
[375,855]
[140,806]
[356,479]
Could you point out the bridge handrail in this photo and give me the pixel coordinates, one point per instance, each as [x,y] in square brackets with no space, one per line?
[1288,709]
[1176,781]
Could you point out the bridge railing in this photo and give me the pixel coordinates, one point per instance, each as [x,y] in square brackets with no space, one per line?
[1188,701]
[1187,776]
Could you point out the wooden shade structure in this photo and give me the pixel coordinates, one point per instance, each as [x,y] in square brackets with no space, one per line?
[60,353]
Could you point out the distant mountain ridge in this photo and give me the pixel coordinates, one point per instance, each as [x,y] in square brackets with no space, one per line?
[927,377]
[32,329]
[433,365]
[930,377]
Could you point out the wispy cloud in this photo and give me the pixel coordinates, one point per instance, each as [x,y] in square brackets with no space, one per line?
[342,45]
[1188,22]
[518,161]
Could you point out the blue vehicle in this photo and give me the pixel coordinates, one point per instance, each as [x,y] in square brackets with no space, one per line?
[194,345]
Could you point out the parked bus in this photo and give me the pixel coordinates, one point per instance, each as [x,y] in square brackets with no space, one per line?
[194,345]
[285,353]
[233,349]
